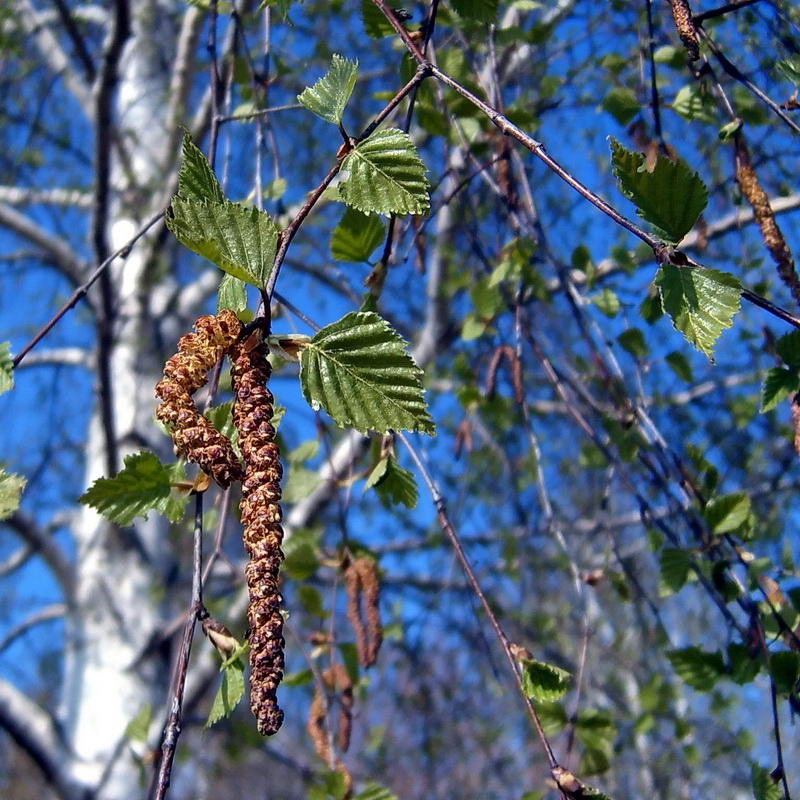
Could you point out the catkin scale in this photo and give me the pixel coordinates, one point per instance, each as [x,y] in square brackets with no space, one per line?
[195,437]
[261,518]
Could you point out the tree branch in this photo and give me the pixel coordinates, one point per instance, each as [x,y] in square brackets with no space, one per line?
[23,196]
[45,614]
[34,731]
[56,249]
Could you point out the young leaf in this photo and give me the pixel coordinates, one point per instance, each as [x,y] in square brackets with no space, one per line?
[788,347]
[699,669]
[374,791]
[634,342]
[727,513]
[328,97]
[671,197]
[702,302]
[622,104]
[228,695]
[544,683]
[356,236]
[691,103]
[784,667]
[764,787]
[675,567]
[232,294]
[143,485]
[11,487]
[239,240]
[196,179]
[6,368]
[358,370]
[778,385]
[478,10]
[385,174]
[139,726]
[397,485]
[221,417]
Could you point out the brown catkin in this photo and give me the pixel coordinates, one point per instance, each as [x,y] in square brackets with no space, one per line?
[682,14]
[195,437]
[796,422]
[765,217]
[362,580]
[337,678]
[261,520]
[316,727]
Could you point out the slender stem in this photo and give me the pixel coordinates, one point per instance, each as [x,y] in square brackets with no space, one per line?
[778,747]
[447,526]
[699,19]
[651,45]
[172,730]
[215,82]
[82,290]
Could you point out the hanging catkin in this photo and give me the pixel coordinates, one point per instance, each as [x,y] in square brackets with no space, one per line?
[195,437]
[682,14]
[261,518]
[362,580]
[765,217]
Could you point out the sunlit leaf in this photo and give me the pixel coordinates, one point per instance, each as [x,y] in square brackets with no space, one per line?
[358,369]
[385,174]
[143,485]
[397,486]
[196,179]
[764,787]
[328,97]
[232,294]
[727,513]
[779,384]
[6,368]
[543,682]
[239,240]
[699,669]
[478,10]
[228,695]
[702,302]
[671,197]
[11,487]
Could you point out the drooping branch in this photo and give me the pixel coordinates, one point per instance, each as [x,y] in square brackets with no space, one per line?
[45,614]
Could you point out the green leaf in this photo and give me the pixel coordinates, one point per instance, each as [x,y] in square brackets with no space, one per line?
[699,669]
[221,417]
[608,302]
[385,174]
[743,667]
[139,727]
[143,485]
[633,341]
[311,600]
[478,10]
[784,667]
[671,197]
[788,347]
[356,236]
[779,384]
[764,787]
[375,23]
[675,568]
[374,791]
[621,104]
[196,179]
[693,103]
[359,371]
[300,483]
[790,69]
[11,487]
[725,514]
[328,97]
[300,678]
[239,240]
[702,302]
[728,132]
[6,368]
[542,682]
[397,486]
[228,695]
[680,365]
[377,472]
[232,294]
[301,562]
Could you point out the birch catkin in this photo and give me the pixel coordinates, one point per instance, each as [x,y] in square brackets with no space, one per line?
[261,518]
[682,14]
[765,217]
[195,437]
[362,580]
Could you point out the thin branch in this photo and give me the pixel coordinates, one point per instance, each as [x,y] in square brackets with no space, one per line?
[56,249]
[23,196]
[35,732]
[776,727]
[172,730]
[82,290]
[81,51]
[27,529]
[61,356]
[699,19]
[447,527]
[739,76]
[46,614]
[263,112]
